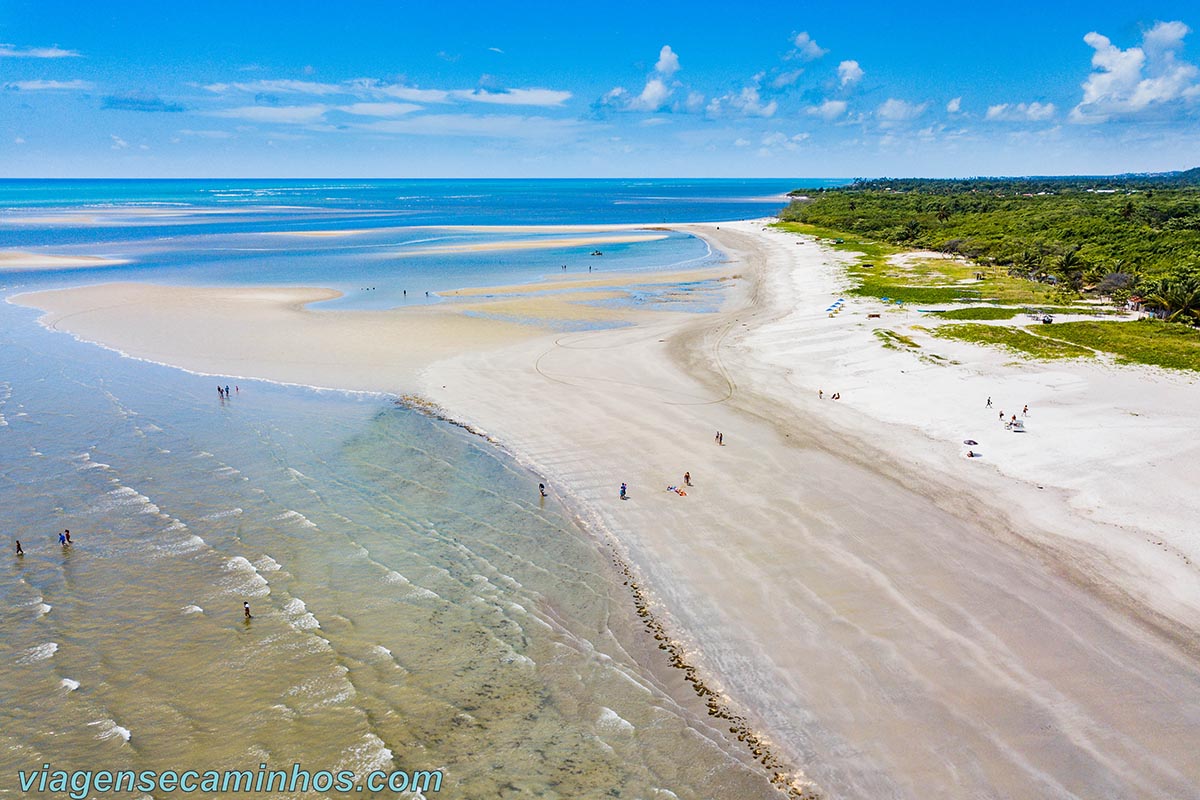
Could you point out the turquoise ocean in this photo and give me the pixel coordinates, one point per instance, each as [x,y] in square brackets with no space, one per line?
[416,604]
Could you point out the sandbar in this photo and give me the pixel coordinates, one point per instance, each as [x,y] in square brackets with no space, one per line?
[20,259]
[549,243]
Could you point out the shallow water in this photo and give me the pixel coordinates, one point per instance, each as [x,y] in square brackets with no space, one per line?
[416,604]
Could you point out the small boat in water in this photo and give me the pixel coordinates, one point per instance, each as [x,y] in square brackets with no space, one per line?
[597,253]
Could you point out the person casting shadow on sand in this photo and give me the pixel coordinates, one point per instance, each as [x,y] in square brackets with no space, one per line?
[624,492]
[20,552]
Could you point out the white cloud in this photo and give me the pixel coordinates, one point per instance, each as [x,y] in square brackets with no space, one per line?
[370,88]
[514,97]
[12,51]
[849,73]
[806,48]
[280,87]
[1164,37]
[410,93]
[893,110]
[496,50]
[656,94]
[500,126]
[668,61]
[829,110]
[49,86]
[775,142]
[1021,112]
[746,103]
[954,106]
[785,79]
[1128,82]
[118,143]
[18,140]
[284,115]
[740,142]
[206,134]
[379,109]
[653,97]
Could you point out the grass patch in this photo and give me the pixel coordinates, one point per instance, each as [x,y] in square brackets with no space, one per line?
[1016,339]
[923,280]
[1160,344]
[893,340]
[979,312]
[851,242]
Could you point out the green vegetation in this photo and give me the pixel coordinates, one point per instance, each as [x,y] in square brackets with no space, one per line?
[1111,237]
[1017,339]
[892,272]
[979,312]
[1162,344]
[1029,244]
[895,341]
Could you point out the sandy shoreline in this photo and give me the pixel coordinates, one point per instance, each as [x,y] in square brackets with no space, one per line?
[900,621]
[20,259]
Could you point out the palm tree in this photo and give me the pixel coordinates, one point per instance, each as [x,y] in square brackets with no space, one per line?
[1177,297]
[1029,263]
[1070,267]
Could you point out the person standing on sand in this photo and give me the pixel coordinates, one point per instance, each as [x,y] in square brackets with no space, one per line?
[542,489]
[624,491]
[20,552]
[1002,415]
[687,479]
[820,394]
[246,608]
[1025,411]
[989,403]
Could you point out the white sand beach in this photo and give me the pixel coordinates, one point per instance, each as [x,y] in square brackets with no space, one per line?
[895,619]
[19,259]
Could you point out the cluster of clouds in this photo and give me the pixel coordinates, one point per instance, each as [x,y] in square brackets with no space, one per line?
[376,106]
[1123,84]
[12,51]
[758,97]
[1129,82]
[1149,80]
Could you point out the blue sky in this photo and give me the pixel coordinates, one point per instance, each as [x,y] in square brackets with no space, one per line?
[402,89]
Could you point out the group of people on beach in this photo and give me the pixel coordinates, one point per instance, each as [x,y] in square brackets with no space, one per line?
[223,391]
[64,539]
[1013,419]
[1009,424]
[834,396]
[1024,411]
[687,480]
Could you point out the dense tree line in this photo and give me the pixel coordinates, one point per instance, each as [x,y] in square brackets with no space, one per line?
[1112,236]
